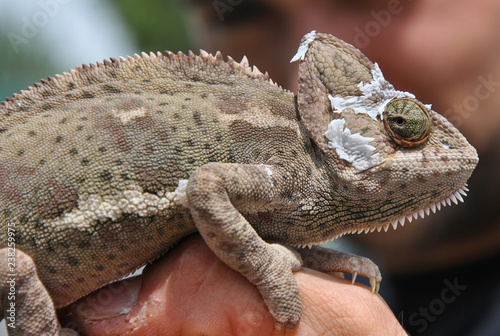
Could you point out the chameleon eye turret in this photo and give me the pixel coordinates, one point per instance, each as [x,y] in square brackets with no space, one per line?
[407,122]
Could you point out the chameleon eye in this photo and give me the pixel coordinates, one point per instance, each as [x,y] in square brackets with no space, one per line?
[407,122]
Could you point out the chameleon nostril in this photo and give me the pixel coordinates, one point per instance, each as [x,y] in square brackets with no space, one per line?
[446,144]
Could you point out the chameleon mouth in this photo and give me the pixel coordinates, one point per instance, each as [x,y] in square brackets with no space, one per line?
[456,197]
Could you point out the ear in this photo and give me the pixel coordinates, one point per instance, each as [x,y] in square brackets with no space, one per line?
[329,67]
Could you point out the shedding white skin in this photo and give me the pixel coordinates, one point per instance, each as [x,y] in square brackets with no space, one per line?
[304,46]
[354,148]
[180,193]
[133,200]
[269,173]
[375,97]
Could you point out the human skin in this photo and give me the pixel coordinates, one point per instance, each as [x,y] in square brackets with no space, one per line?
[190,291]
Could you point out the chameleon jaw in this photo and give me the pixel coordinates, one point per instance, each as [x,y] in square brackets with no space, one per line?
[456,197]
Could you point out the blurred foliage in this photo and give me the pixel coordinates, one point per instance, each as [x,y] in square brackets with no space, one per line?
[17,70]
[158,24]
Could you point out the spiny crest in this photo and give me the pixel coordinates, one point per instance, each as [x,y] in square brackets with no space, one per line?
[144,66]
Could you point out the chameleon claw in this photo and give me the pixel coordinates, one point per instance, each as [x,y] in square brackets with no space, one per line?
[354,276]
[375,285]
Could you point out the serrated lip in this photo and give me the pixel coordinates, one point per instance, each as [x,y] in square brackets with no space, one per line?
[456,197]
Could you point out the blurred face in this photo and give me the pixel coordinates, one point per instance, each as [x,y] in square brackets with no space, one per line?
[268,32]
[438,51]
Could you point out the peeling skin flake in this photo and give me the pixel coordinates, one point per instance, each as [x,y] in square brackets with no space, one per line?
[304,46]
[353,148]
[126,116]
[268,171]
[131,201]
[376,95]
[356,103]
[180,193]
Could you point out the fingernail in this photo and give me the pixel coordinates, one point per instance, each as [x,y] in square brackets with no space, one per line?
[113,300]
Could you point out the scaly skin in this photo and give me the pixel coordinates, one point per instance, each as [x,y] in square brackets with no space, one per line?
[104,168]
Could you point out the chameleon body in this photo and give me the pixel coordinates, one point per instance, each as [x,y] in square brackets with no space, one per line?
[104,168]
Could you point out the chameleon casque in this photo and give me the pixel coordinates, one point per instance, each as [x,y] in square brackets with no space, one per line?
[105,168]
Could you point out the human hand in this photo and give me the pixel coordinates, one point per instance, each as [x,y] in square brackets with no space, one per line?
[191,292]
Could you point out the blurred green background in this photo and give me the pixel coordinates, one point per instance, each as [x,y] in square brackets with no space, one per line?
[40,38]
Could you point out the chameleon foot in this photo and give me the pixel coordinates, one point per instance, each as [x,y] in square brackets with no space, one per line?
[27,307]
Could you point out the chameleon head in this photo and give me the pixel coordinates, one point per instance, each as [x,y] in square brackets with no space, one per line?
[393,156]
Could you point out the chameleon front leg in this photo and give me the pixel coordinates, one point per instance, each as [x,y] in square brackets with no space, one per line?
[331,261]
[26,304]
[215,191]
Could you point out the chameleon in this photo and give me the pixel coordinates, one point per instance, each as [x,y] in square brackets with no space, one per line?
[105,167]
